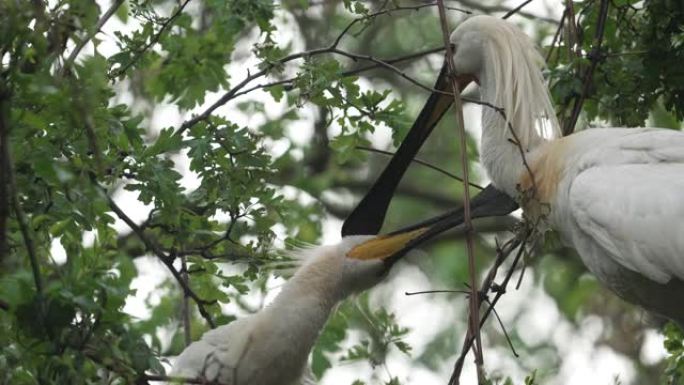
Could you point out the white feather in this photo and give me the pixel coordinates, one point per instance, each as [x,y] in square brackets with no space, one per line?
[616,195]
[272,346]
[622,190]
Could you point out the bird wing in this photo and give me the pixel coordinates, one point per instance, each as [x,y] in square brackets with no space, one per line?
[635,213]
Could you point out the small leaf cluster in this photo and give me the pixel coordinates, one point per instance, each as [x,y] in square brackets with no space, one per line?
[674,344]
[381,332]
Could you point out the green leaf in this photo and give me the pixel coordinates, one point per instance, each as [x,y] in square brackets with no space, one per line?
[166,142]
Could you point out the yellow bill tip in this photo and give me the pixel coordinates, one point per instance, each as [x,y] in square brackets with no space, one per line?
[383,246]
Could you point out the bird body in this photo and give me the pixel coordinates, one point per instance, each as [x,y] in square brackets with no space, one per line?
[271,347]
[613,194]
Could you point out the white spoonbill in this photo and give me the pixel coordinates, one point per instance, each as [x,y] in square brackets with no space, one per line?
[272,346]
[615,195]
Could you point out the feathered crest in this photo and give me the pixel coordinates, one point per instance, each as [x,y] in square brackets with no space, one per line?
[517,84]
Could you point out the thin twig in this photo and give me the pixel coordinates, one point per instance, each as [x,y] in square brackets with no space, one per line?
[153,40]
[409,293]
[181,380]
[594,58]
[100,23]
[24,227]
[288,82]
[4,167]
[332,48]
[389,11]
[516,9]
[503,328]
[515,139]
[422,163]
[185,303]
[387,66]
[500,290]
[556,36]
[488,9]
[474,315]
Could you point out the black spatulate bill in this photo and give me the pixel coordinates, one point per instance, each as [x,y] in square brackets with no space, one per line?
[369,214]
[489,202]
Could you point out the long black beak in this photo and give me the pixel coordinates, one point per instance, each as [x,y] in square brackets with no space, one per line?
[489,202]
[391,247]
[369,214]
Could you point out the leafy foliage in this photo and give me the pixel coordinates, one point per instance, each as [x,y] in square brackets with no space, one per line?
[112,160]
[674,343]
[638,61]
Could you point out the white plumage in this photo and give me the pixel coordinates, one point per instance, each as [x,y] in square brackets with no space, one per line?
[625,195]
[272,346]
[616,195]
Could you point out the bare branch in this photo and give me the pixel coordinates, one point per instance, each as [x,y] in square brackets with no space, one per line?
[408,293]
[167,260]
[489,285]
[422,163]
[467,222]
[332,48]
[516,9]
[23,226]
[477,4]
[556,36]
[4,167]
[289,81]
[181,380]
[387,66]
[185,303]
[388,11]
[594,58]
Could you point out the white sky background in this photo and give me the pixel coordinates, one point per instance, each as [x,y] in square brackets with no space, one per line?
[424,315]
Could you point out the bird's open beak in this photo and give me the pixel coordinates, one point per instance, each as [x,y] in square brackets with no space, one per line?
[391,247]
[369,214]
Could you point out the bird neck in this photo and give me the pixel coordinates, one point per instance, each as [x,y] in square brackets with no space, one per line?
[503,145]
[305,303]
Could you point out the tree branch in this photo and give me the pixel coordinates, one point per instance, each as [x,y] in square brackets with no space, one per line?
[516,9]
[4,167]
[100,23]
[167,260]
[556,35]
[488,285]
[24,227]
[594,58]
[422,163]
[474,312]
[287,82]
[332,48]
[181,380]
[476,4]
[152,41]
[185,304]
[409,191]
